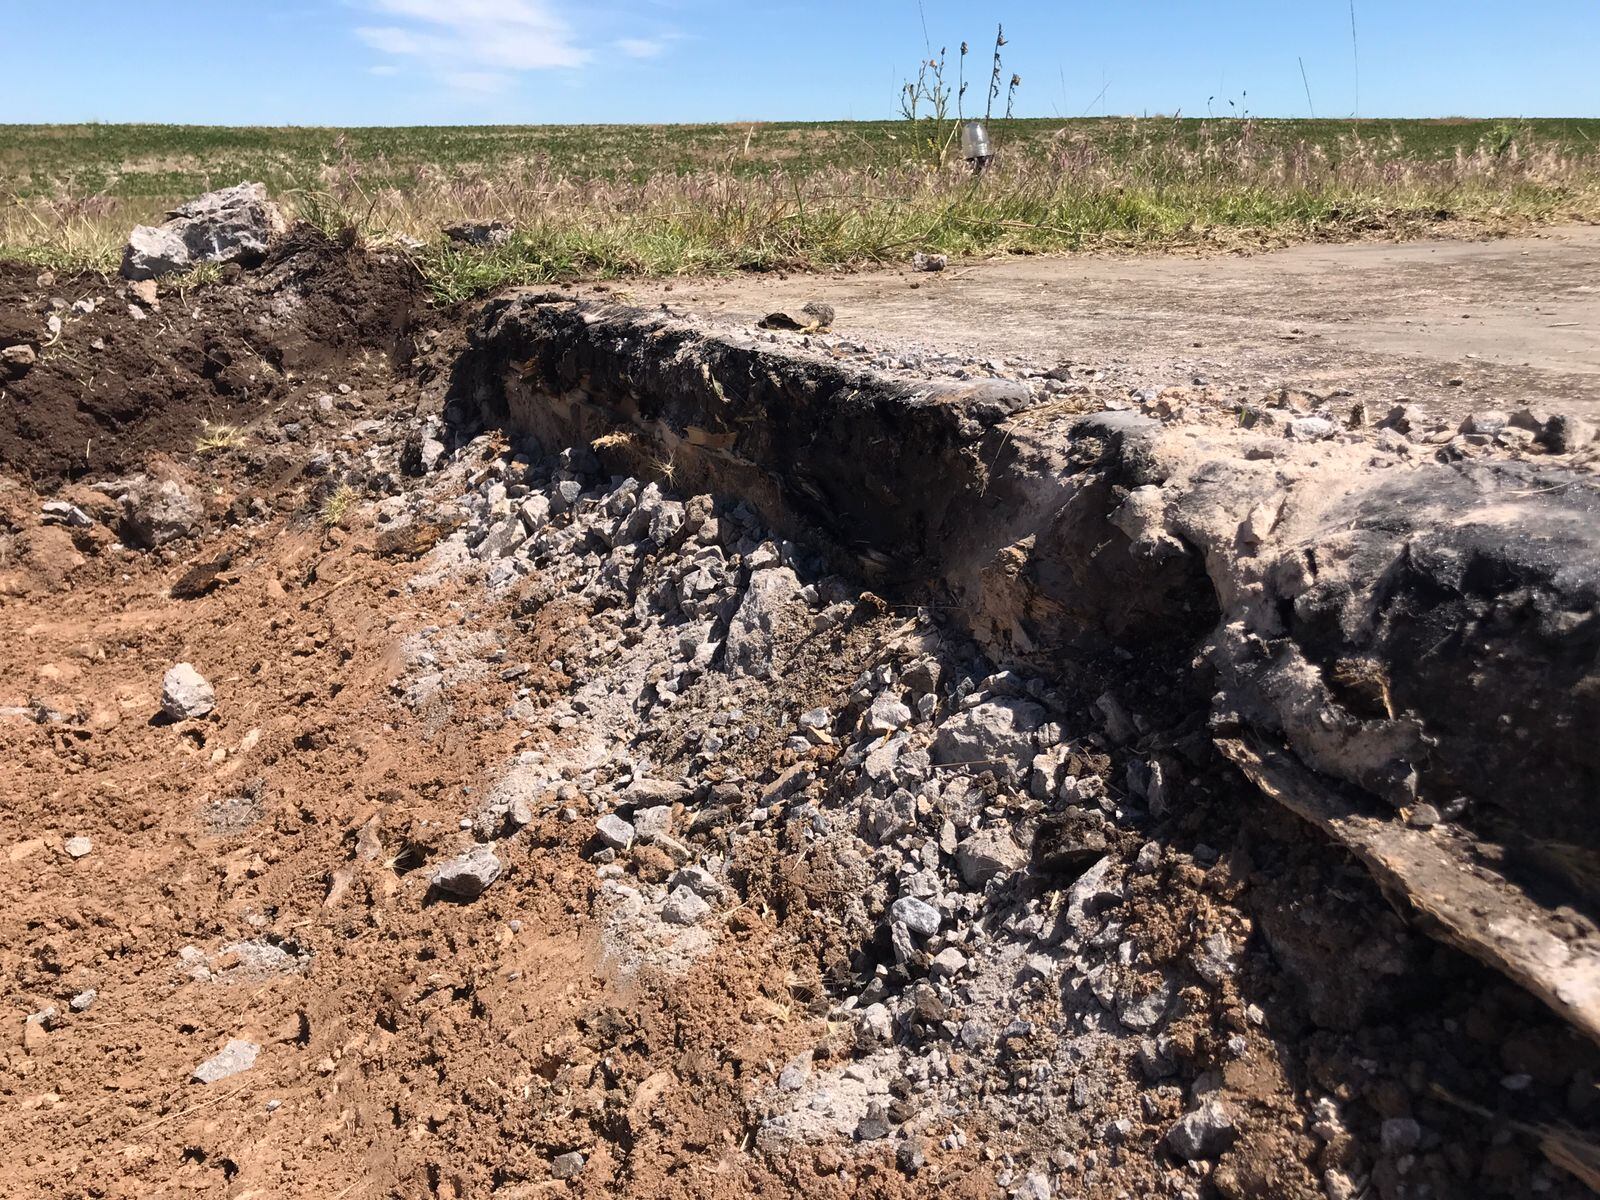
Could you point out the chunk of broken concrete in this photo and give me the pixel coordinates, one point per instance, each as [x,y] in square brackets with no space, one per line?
[614,832]
[1204,1133]
[653,823]
[235,1058]
[684,907]
[887,714]
[987,854]
[154,514]
[998,735]
[186,694]
[948,962]
[236,223]
[467,876]
[59,512]
[753,627]
[153,251]
[1093,892]
[920,917]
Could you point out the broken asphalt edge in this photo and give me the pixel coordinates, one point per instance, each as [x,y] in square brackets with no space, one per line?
[1378,635]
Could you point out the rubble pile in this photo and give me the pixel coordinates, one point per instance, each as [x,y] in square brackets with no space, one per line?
[1022,931]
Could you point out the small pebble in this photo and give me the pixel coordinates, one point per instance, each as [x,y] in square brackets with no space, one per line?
[1423,816]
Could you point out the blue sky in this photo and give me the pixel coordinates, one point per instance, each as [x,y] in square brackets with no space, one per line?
[346,62]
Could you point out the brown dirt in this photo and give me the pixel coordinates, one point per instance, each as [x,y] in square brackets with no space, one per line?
[112,387]
[425,1049]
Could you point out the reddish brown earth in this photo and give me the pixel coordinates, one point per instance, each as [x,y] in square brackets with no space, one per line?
[426,1048]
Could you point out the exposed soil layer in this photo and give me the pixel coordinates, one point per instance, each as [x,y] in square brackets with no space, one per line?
[429,640]
[118,378]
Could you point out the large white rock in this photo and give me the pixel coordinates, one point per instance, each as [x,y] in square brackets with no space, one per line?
[185,693]
[997,734]
[234,223]
[750,632]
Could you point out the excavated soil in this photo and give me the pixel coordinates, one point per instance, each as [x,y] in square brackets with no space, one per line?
[425,637]
[119,378]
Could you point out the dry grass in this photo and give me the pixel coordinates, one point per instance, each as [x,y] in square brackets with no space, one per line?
[337,506]
[1122,184]
[219,439]
[627,453]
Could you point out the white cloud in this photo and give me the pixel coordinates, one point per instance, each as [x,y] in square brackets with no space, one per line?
[641,47]
[474,45]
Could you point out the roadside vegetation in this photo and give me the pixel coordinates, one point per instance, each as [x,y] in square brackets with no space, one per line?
[608,201]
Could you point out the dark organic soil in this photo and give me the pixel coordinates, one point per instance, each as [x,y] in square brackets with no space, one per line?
[111,386]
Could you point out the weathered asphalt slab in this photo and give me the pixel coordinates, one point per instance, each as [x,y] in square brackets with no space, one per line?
[1455,325]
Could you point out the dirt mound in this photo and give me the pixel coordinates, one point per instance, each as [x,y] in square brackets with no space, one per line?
[107,376]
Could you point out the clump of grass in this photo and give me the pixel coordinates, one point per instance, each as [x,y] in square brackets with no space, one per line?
[626,452]
[63,231]
[200,275]
[337,506]
[219,439]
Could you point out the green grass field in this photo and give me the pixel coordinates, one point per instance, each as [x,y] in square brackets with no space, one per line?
[621,200]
